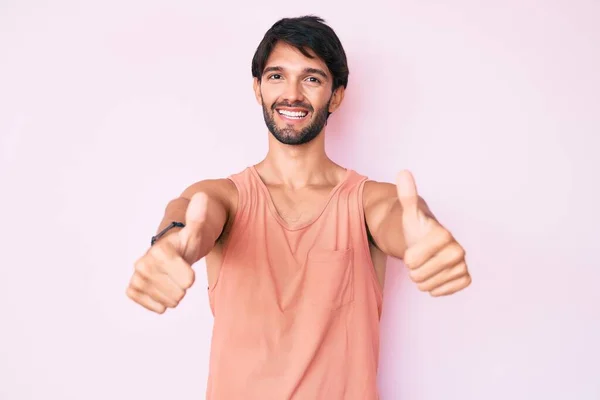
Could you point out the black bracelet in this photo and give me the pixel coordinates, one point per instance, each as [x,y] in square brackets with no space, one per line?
[161,233]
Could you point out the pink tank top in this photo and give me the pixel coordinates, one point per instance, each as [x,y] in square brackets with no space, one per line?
[296,311]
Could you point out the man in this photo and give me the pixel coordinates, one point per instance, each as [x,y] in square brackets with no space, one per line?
[295,245]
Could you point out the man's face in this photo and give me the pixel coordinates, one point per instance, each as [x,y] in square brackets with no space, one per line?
[295,94]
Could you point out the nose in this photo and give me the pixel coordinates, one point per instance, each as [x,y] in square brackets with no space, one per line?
[293,92]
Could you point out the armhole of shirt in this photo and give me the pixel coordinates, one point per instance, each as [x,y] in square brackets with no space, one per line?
[365,240]
[235,227]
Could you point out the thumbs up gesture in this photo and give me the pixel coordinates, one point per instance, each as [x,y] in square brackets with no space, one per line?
[164,273]
[436,261]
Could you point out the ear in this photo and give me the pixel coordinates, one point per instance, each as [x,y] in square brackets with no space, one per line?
[336,99]
[257,93]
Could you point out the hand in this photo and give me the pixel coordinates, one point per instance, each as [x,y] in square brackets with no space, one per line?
[165,272]
[435,259]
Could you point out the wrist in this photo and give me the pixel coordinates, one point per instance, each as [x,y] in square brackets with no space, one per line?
[171,228]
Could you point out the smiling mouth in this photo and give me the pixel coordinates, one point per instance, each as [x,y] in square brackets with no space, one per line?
[293,114]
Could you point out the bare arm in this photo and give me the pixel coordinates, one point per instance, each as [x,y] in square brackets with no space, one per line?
[222,201]
[383,214]
[401,225]
[164,273]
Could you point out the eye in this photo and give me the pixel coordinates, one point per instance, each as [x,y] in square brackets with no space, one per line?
[275,76]
[312,79]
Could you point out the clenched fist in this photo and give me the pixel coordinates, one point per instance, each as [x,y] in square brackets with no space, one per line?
[435,259]
[164,273]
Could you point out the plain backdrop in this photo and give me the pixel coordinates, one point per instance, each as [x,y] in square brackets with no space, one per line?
[109,109]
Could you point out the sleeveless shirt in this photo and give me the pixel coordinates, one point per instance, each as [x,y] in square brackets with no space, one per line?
[296,310]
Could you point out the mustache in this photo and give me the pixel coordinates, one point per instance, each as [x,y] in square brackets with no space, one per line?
[291,105]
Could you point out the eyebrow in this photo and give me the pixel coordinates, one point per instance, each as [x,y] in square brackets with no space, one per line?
[316,71]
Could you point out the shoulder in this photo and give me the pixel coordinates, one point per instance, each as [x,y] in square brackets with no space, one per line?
[375,192]
[372,191]
[220,189]
[380,198]
[220,186]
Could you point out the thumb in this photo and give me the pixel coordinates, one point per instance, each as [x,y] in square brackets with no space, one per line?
[407,193]
[194,218]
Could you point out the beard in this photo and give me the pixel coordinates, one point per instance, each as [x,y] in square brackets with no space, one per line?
[289,135]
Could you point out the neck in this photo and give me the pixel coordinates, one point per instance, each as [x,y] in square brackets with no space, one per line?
[297,166]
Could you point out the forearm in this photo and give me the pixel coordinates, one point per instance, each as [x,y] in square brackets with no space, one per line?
[174,212]
[219,195]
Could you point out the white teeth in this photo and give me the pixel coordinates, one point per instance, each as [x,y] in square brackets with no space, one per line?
[293,114]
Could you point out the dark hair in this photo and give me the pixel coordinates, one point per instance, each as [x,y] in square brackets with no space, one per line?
[306,32]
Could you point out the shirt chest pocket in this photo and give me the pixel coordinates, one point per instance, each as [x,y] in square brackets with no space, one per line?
[329,278]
